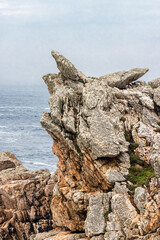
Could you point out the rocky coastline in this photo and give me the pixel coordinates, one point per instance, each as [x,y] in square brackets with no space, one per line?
[106,134]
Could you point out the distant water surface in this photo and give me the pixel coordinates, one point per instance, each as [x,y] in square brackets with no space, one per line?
[21,108]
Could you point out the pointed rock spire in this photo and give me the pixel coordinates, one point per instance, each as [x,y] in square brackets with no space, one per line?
[66,68]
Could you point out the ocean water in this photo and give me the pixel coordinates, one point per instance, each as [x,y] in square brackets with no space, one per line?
[21,108]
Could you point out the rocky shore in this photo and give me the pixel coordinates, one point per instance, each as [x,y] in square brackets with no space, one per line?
[106,134]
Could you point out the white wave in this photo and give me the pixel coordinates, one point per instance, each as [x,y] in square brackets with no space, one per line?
[17,107]
[32,126]
[25,107]
[41,163]
[36,163]
[11,140]
[2,132]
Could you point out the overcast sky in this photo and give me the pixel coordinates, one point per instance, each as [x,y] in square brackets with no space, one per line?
[97,36]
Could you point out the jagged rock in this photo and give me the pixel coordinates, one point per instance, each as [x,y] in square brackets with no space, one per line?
[58,235]
[125,213]
[148,140]
[104,136]
[140,198]
[122,79]
[124,219]
[149,220]
[95,221]
[25,198]
[8,161]
[66,68]
[121,188]
[157,96]
[114,176]
[100,237]
[88,123]
[154,83]
[50,79]
[114,235]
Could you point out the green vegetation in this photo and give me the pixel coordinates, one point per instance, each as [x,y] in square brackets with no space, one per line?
[49,114]
[133,146]
[140,172]
[106,216]
[158,123]
[137,128]
[77,148]
[79,93]
[134,159]
[107,212]
[139,177]
[76,145]
[80,80]
[128,136]
[153,87]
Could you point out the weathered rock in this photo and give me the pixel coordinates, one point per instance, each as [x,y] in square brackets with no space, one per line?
[114,176]
[148,139]
[88,122]
[100,237]
[66,68]
[157,96]
[128,218]
[59,235]
[154,83]
[150,212]
[95,221]
[104,136]
[25,198]
[125,213]
[122,79]
[114,235]
[140,198]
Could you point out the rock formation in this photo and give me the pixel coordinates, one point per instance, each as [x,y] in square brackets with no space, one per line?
[25,198]
[106,134]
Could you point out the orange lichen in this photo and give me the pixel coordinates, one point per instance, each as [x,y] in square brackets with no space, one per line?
[59,82]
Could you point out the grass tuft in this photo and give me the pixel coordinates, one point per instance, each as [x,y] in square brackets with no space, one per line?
[158,123]
[107,212]
[139,177]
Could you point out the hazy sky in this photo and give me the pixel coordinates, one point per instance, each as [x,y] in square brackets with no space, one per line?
[98,36]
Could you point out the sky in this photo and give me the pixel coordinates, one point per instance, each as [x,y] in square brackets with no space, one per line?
[98,36]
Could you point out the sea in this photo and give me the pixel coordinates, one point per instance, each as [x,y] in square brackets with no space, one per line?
[21,133]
